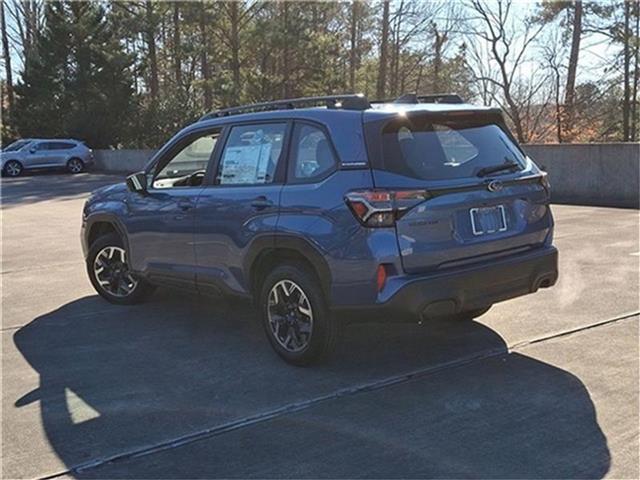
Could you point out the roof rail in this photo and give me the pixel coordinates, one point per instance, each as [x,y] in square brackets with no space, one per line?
[434,98]
[345,102]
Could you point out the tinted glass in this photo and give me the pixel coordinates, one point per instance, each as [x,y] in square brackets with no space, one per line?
[16,145]
[444,150]
[312,154]
[251,154]
[190,162]
[59,146]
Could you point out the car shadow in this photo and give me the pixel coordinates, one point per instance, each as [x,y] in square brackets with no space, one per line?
[39,186]
[118,379]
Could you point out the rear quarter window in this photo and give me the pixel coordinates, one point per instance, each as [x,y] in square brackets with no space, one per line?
[62,146]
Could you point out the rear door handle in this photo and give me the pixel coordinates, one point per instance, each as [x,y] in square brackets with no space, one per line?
[260,203]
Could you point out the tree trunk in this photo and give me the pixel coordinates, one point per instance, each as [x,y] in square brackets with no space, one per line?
[204,61]
[627,58]
[569,95]
[438,43]
[176,44]
[353,57]
[382,67]
[150,34]
[636,79]
[558,106]
[234,20]
[419,78]
[396,52]
[7,61]
[286,73]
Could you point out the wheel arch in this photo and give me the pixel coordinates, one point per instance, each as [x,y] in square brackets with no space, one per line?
[266,256]
[100,224]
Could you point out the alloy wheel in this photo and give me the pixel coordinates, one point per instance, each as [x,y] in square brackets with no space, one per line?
[112,272]
[13,168]
[290,316]
[75,165]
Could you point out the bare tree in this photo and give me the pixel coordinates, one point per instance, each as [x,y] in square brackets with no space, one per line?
[507,46]
[7,60]
[626,110]
[384,46]
[443,28]
[553,53]
[204,60]
[177,65]
[576,36]
[636,78]
[24,20]
[150,38]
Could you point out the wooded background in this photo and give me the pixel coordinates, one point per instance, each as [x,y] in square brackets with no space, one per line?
[131,73]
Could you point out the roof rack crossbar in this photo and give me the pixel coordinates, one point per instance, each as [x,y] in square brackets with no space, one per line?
[346,102]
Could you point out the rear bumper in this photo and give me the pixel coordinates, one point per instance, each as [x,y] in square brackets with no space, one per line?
[457,290]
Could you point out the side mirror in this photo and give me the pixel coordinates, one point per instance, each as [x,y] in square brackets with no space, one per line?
[137,182]
[32,150]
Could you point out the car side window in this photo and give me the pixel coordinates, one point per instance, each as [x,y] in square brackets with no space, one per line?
[251,154]
[187,167]
[312,155]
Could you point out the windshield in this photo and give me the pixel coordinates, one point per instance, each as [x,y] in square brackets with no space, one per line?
[440,150]
[16,145]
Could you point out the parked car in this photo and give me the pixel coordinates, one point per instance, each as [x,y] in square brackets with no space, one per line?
[410,210]
[32,154]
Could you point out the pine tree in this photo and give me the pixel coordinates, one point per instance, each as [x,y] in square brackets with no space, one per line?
[78,83]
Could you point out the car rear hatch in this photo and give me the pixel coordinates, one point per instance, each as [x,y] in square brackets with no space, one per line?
[461,188]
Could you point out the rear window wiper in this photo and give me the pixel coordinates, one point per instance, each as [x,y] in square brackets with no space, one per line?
[507,165]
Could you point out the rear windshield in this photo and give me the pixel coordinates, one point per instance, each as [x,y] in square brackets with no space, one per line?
[429,149]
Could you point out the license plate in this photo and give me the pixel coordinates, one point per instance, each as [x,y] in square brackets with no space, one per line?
[488,220]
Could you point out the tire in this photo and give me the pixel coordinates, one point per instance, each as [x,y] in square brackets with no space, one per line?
[75,165]
[126,289]
[470,314]
[13,168]
[306,294]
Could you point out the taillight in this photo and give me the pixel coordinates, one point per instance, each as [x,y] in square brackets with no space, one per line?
[381,208]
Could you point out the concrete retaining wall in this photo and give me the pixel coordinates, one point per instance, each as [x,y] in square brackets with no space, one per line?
[605,174]
[125,161]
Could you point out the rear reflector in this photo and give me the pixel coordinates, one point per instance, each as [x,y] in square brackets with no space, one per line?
[381,277]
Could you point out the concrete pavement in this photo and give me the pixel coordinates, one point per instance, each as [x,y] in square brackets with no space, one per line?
[185,387]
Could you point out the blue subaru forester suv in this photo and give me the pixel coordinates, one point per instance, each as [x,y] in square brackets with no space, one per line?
[328,209]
